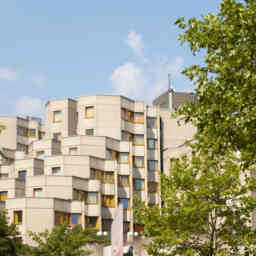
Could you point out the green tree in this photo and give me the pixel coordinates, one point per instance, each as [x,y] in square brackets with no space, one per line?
[206,209]
[10,239]
[226,82]
[207,201]
[64,241]
[2,127]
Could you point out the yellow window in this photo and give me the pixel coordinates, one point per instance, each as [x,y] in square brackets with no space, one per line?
[139,118]
[108,177]
[3,195]
[89,112]
[108,201]
[17,217]
[56,116]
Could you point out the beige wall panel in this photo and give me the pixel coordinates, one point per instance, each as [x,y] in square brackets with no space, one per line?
[94,185]
[77,207]
[152,154]
[124,192]
[139,173]
[138,150]
[124,169]
[110,165]
[8,136]
[112,144]
[138,128]
[139,106]
[152,111]
[153,176]
[15,203]
[92,210]
[124,146]
[152,133]
[62,205]
[108,189]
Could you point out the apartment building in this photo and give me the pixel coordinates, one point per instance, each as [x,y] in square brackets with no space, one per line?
[90,155]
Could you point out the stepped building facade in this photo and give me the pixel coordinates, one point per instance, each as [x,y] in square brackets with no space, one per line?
[90,155]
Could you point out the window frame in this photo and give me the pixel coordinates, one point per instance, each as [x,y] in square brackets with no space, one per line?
[86,132]
[119,158]
[3,196]
[105,180]
[140,120]
[86,112]
[108,201]
[135,162]
[135,140]
[54,117]
[148,122]
[156,164]
[54,168]
[87,198]
[155,142]
[150,186]
[120,182]
[16,215]
[87,222]
[135,187]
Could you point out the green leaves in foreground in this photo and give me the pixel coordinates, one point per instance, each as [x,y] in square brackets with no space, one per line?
[63,241]
[207,207]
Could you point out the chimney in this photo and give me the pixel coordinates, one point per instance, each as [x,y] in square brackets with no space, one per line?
[171,93]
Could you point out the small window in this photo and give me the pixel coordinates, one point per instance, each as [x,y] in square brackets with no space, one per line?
[123,136]
[124,180]
[108,177]
[79,195]
[22,174]
[125,202]
[111,155]
[139,184]
[152,187]
[89,112]
[62,217]
[73,151]
[139,118]
[139,161]
[56,171]
[151,122]
[139,140]
[32,133]
[17,217]
[92,222]
[57,116]
[57,136]
[106,224]
[123,158]
[40,154]
[90,132]
[91,198]
[37,192]
[3,195]
[152,165]
[126,227]
[108,201]
[75,219]
[95,174]
[152,143]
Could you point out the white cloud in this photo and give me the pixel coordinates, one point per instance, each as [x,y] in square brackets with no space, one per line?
[128,80]
[38,80]
[134,41]
[7,75]
[29,106]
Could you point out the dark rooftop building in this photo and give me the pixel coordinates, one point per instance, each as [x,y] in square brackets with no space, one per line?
[177,99]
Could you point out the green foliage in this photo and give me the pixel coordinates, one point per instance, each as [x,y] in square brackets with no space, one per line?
[207,197]
[64,241]
[10,240]
[207,209]
[2,127]
[226,82]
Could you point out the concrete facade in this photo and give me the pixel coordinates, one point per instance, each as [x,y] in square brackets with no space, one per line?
[91,154]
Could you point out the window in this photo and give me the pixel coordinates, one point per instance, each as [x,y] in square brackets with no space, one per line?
[152,165]
[3,195]
[111,155]
[75,219]
[89,132]
[126,227]
[62,217]
[139,161]
[139,118]
[22,147]
[151,122]
[125,202]
[22,174]
[92,222]
[127,115]
[123,181]
[6,161]
[106,224]
[73,151]
[108,201]
[152,187]
[126,136]
[139,184]
[89,112]
[17,217]
[57,136]
[37,192]
[95,174]
[40,154]
[79,195]
[152,143]
[22,131]
[56,171]
[123,158]
[108,177]
[91,198]
[32,133]
[139,140]
[57,116]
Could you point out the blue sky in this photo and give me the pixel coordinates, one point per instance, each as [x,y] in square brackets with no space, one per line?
[58,49]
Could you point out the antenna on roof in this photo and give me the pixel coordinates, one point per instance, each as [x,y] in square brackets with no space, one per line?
[170,87]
